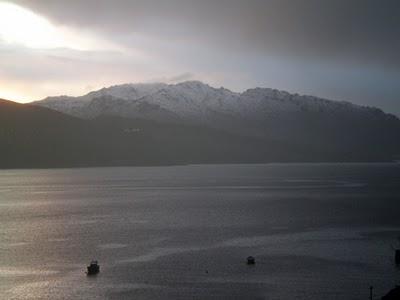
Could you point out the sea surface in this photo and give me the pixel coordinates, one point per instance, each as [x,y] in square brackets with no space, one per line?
[317,231]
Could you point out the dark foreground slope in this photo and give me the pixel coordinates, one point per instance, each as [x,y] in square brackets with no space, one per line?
[38,137]
[32,136]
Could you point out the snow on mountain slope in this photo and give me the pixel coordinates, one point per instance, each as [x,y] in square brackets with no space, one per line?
[196,102]
[269,102]
[188,100]
[126,91]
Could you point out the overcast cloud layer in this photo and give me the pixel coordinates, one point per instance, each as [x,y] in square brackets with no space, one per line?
[342,49]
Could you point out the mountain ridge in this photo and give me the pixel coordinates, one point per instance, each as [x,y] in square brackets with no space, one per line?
[255,112]
[191,122]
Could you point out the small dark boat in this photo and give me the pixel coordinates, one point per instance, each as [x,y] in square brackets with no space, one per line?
[93,268]
[251,260]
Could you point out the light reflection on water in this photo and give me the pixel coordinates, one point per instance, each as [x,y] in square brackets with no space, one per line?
[321,231]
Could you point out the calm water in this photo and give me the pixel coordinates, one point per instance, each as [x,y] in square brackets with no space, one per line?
[318,231]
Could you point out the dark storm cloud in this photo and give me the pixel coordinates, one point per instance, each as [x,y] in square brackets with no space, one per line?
[357,31]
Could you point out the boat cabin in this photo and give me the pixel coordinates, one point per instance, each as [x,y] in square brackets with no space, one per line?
[93,268]
[251,260]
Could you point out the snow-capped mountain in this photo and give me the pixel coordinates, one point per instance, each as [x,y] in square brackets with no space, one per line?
[306,127]
[257,112]
[197,102]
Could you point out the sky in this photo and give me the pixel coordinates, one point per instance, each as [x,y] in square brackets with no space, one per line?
[341,50]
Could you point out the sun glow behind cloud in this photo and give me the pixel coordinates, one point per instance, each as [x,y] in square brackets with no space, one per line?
[22,27]
[31,44]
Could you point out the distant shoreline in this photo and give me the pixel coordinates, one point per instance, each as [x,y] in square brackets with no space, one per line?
[203,164]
